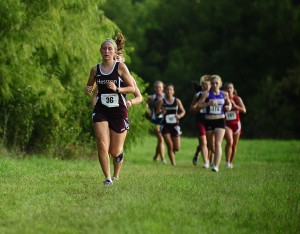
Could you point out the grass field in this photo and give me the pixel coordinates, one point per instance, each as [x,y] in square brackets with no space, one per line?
[260,195]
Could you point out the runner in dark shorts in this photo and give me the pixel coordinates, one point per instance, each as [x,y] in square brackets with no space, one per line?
[200,124]
[216,102]
[110,115]
[170,128]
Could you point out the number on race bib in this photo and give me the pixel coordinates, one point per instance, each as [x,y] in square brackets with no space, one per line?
[231,115]
[215,110]
[171,119]
[109,100]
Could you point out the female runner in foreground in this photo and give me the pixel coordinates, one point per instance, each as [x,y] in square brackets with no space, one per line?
[110,115]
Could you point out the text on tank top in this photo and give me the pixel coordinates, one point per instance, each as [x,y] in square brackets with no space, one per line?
[171,111]
[107,97]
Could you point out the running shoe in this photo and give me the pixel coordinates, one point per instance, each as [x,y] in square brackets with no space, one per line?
[215,169]
[107,182]
[205,165]
[195,159]
[115,178]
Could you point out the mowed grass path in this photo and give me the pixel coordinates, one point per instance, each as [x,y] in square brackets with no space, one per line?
[260,195]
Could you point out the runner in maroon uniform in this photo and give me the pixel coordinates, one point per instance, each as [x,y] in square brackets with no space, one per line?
[200,123]
[120,41]
[233,124]
[110,115]
[138,98]
[170,129]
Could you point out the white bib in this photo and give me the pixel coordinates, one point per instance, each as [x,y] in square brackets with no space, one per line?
[230,115]
[171,119]
[110,99]
[217,110]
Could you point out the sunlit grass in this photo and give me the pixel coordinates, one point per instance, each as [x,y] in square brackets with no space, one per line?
[260,195]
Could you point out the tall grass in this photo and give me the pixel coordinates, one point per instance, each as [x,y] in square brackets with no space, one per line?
[260,195]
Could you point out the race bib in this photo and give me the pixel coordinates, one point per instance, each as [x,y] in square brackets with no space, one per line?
[217,110]
[110,99]
[230,115]
[171,119]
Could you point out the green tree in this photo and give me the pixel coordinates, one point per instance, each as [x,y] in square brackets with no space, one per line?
[48,48]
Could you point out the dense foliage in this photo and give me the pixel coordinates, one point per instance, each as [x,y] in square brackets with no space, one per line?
[47,50]
[254,44]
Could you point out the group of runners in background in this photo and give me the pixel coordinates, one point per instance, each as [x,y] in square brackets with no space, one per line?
[165,111]
[110,113]
[217,114]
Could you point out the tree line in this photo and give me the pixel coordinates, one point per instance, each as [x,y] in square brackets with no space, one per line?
[254,44]
[48,48]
